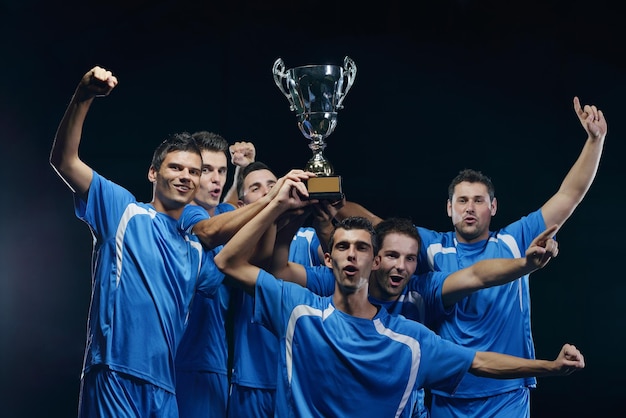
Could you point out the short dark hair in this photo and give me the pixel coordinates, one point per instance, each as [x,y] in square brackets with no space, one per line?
[181,141]
[403,226]
[253,166]
[355,222]
[210,141]
[471,176]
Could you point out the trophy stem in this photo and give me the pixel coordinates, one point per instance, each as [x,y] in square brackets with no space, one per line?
[318,164]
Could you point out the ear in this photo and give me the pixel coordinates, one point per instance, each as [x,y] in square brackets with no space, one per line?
[449,208]
[376,262]
[494,206]
[240,203]
[328,261]
[152,174]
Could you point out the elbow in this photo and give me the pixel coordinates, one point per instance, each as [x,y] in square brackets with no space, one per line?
[55,160]
[206,233]
[221,263]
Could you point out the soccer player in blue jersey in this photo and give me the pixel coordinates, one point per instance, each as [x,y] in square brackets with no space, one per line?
[421,298]
[255,358]
[145,267]
[498,318]
[348,342]
[146,264]
[202,356]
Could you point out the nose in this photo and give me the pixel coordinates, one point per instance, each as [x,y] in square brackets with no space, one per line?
[351,252]
[214,176]
[185,174]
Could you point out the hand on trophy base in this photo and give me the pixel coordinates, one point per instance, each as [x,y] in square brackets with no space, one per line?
[325,188]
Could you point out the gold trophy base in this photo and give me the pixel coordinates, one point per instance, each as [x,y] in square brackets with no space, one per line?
[325,188]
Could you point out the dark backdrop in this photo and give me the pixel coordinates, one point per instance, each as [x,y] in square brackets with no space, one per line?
[440,86]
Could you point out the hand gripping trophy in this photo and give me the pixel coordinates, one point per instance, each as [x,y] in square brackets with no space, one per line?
[316,93]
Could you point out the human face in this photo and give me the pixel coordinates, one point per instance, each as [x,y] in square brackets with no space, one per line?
[176,182]
[256,185]
[398,261]
[352,259]
[212,180]
[471,211]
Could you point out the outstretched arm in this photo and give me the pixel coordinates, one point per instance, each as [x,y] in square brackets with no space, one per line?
[579,178]
[234,258]
[497,271]
[503,366]
[64,154]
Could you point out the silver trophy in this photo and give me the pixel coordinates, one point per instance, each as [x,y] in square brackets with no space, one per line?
[316,93]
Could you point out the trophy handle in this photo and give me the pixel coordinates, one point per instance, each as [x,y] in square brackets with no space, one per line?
[349,74]
[280,78]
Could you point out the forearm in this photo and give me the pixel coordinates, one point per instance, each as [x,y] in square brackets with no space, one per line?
[483,274]
[231,195]
[503,366]
[64,156]
[265,248]
[217,230]
[575,184]
[579,178]
[234,258]
[355,209]
[281,267]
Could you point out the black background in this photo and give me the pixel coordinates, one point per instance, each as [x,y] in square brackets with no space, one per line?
[440,86]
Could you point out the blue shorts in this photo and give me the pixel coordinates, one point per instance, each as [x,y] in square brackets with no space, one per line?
[250,402]
[505,405]
[106,393]
[201,394]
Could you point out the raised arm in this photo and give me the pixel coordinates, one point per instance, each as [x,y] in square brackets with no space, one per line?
[323,215]
[217,230]
[503,366]
[579,178]
[64,154]
[241,155]
[497,271]
[355,209]
[234,258]
[281,267]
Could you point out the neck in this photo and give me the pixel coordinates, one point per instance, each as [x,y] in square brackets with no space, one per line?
[172,212]
[354,303]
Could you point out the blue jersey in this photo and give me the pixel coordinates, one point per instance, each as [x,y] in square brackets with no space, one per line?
[204,343]
[304,248]
[353,356]
[493,319]
[204,348]
[255,346]
[419,301]
[145,269]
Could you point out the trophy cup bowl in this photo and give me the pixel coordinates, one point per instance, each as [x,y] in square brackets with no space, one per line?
[315,93]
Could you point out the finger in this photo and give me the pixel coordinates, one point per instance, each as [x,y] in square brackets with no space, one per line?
[577,108]
[545,235]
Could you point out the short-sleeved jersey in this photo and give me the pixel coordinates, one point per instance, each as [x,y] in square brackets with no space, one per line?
[352,356]
[304,247]
[145,269]
[255,346]
[204,344]
[419,301]
[493,319]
